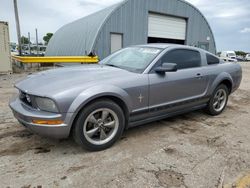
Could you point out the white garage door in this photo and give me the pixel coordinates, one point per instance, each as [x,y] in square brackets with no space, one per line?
[161,26]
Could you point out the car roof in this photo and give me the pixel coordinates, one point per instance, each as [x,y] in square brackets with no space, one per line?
[228,51]
[167,45]
[158,45]
[163,46]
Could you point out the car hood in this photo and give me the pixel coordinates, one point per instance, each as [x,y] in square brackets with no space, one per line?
[75,79]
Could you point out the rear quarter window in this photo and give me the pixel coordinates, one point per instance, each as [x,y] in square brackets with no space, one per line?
[212,60]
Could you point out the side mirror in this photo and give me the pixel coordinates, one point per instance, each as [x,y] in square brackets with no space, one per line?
[166,67]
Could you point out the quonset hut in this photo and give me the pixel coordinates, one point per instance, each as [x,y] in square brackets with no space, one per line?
[132,22]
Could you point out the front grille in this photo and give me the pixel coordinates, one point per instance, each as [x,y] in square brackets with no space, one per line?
[24,97]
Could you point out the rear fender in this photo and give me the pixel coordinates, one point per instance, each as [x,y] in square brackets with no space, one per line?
[220,78]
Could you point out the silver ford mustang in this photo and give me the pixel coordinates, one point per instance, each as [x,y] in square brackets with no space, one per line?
[133,86]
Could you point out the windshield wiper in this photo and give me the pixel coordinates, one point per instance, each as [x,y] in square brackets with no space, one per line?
[112,65]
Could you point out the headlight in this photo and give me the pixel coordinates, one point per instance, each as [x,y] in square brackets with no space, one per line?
[28,98]
[46,104]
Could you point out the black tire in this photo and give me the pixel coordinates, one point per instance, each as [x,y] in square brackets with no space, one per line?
[82,137]
[211,109]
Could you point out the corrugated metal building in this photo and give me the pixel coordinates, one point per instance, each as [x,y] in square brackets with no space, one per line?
[134,22]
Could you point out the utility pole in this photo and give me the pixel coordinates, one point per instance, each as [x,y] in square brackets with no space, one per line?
[29,43]
[18,28]
[36,43]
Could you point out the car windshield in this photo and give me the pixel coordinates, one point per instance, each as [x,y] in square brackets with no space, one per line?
[231,54]
[134,59]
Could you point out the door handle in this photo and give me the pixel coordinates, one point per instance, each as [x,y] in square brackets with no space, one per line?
[198,75]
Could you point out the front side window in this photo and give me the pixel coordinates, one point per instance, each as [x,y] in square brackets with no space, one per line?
[135,59]
[183,58]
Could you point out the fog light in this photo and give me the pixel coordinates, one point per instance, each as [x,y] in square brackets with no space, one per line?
[47,122]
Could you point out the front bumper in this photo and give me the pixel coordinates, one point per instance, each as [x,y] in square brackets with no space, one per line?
[25,115]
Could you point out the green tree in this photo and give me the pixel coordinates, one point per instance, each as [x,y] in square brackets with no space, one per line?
[47,37]
[25,40]
[240,53]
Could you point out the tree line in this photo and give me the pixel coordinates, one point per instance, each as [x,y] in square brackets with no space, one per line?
[46,39]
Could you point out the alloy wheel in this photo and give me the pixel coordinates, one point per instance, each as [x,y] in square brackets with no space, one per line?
[220,99]
[101,126]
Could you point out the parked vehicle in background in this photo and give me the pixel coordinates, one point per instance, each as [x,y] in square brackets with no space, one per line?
[240,58]
[228,56]
[133,86]
[247,58]
[33,50]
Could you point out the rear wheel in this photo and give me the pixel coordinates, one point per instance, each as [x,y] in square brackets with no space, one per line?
[99,125]
[218,101]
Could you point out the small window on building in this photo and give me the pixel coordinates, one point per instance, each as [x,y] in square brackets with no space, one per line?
[116,42]
[183,58]
[203,45]
[212,60]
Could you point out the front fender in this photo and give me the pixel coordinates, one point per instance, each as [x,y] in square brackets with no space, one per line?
[96,92]
[220,78]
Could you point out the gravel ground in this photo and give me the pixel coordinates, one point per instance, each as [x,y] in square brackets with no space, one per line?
[192,150]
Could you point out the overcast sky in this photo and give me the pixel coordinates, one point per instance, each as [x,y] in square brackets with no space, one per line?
[229,19]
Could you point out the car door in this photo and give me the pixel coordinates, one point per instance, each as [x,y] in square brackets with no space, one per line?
[188,83]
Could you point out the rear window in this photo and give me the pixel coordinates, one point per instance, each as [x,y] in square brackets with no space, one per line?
[212,60]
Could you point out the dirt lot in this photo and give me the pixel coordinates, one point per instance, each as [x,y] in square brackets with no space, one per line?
[192,150]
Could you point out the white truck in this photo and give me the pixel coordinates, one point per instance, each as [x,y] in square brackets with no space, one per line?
[228,56]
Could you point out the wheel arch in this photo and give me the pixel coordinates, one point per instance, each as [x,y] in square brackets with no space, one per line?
[227,83]
[113,98]
[223,78]
[99,92]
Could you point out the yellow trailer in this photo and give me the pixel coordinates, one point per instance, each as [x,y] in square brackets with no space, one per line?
[56,59]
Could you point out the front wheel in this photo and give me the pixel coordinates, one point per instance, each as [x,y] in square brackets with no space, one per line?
[218,101]
[99,125]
